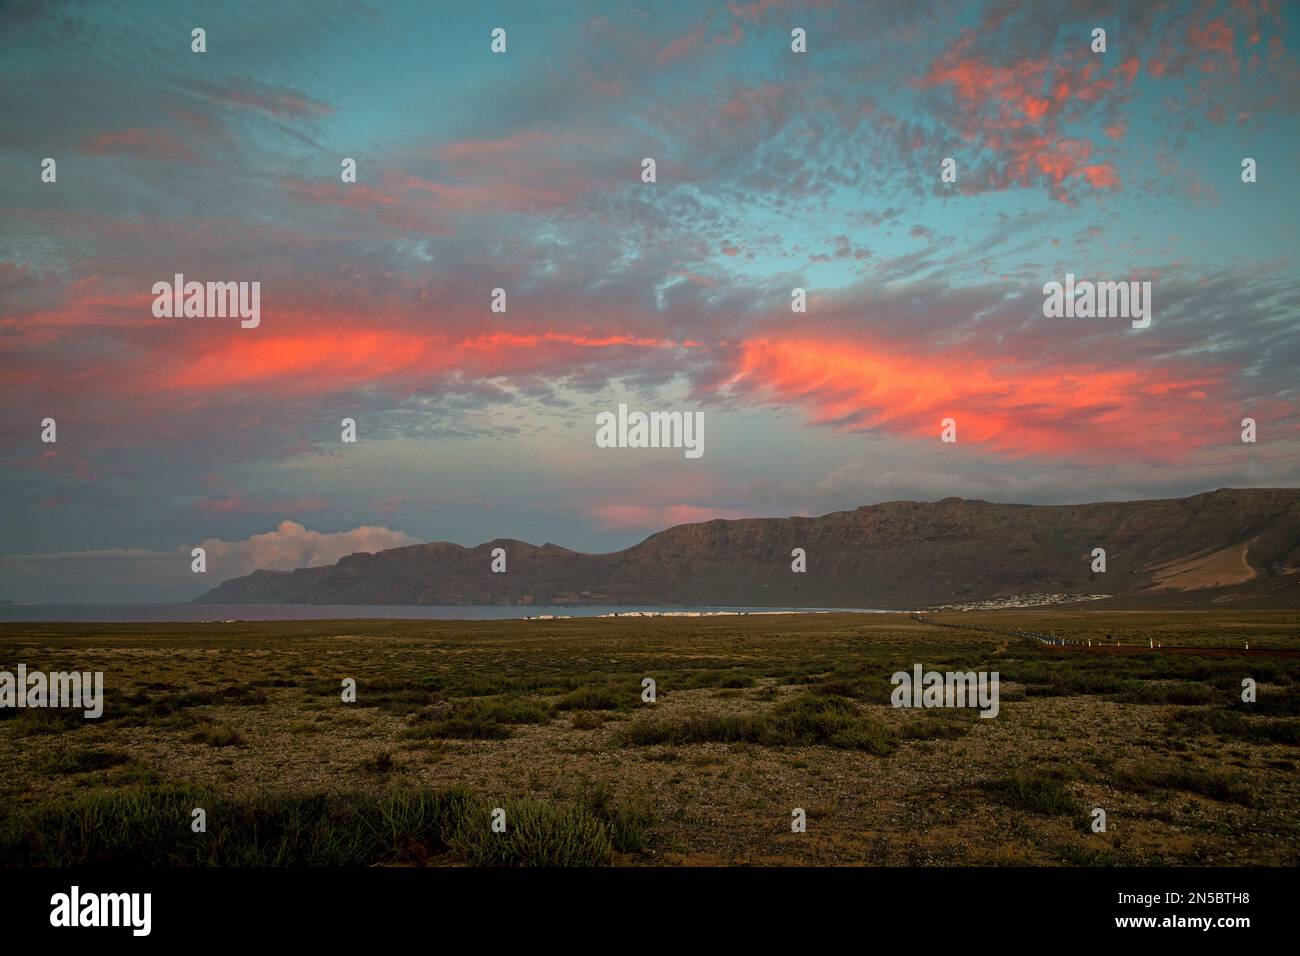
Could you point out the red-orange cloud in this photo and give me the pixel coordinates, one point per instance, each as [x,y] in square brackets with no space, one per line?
[1018,410]
[343,356]
[1018,111]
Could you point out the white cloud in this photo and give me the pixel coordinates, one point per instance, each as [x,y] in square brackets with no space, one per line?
[129,575]
[293,546]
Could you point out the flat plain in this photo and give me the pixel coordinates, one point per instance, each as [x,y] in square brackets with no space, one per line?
[754,717]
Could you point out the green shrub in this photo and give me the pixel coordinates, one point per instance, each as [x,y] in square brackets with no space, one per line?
[694,730]
[217,736]
[806,719]
[1143,778]
[536,834]
[150,827]
[81,761]
[1202,721]
[487,719]
[1036,792]
[588,698]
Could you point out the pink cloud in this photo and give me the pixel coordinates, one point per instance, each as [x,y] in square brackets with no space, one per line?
[1214,36]
[681,46]
[656,517]
[281,102]
[148,143]
[1019,111]
[239,504]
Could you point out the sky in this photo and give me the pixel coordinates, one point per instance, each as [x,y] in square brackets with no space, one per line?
[523,170]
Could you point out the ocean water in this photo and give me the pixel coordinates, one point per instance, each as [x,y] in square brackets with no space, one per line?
[116,613]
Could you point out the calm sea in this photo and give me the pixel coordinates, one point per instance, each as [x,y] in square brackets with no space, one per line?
[318,612]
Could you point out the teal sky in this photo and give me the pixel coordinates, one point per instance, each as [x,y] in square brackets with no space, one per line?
[521,170]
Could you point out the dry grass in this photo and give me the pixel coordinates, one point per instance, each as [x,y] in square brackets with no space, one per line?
[755,716]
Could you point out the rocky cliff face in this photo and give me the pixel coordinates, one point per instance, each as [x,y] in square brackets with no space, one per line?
[1223,546]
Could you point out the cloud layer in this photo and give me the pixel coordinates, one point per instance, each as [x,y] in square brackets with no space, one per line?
[522,172]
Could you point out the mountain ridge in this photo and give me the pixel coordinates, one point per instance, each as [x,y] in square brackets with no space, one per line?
[1224,546]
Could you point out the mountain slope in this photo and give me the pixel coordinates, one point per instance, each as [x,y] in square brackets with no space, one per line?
[1227,545]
